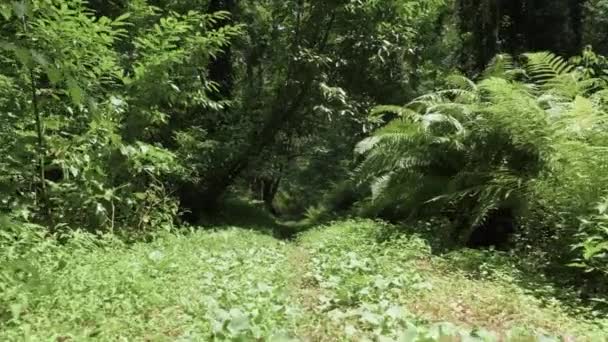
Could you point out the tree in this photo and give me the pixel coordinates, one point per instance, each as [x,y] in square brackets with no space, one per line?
[87,145]
[516,26]
[293,49]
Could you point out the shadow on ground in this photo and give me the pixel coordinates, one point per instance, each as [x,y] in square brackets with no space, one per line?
[244,213]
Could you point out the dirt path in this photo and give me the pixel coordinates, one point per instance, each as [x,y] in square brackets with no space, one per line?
[314,325]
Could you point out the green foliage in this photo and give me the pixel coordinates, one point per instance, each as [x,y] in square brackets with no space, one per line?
[377,284]
[229,285]
[480,147]
[122,118]
[593,248]
[89,85]
[83,95]
[348,280]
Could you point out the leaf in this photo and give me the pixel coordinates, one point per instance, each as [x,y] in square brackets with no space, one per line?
[239,322]
[371,318]
[39,58]
[594,250]
[6,11]
[16,310]
[140,195]
[100,210]
[20,9]
[116,101]
[24,56]
[602,207]
[54,75]
[122,18]
[264,288]
[395,312]
[75,91]
[367,144]
[409,335]
[156,255]
[349,330]
[380,184]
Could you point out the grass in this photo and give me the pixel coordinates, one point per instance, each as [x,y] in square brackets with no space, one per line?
[339,282]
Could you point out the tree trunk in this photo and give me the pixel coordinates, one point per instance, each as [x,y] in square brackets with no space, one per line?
[516,26]
[287,103]
[220,69]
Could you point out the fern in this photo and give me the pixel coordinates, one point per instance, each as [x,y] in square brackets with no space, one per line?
[543,67]
[478,147]
[503,66]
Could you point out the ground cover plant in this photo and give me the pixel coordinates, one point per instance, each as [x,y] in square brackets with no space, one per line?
[195,286]
[344,281]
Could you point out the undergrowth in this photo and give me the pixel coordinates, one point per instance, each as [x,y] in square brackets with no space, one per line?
[225,285]
[347,281]
[381,289]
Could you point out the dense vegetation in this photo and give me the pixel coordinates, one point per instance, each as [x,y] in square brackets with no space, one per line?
[459,147]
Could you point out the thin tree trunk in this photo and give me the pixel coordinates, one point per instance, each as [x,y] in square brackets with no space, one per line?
[40,137]
[41,150]
[287,104]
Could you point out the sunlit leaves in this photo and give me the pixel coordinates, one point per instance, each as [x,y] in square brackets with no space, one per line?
[199,286]
[486,141]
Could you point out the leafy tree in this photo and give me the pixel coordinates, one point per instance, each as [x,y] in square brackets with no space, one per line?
[83,143]
[290,65]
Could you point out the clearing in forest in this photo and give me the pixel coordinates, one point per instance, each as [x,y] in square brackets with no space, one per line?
[344,282]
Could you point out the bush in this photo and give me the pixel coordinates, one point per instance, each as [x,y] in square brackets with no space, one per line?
[528,139]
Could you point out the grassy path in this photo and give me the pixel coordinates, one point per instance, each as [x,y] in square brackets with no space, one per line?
[368,290]
[226,285]
[335,283]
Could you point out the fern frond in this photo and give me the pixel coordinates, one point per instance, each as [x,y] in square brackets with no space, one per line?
[380,184]
[461,82]
[500,66]
[433,118]
[366,145]
[379,110]
[428,100]
[479,147]
[543,67]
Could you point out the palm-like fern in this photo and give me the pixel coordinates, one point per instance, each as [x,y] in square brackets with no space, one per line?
[475,147]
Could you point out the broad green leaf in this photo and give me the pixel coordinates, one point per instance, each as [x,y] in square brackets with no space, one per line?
[239,322]
[54,75]
[76,93]
[6,11]
[24,56]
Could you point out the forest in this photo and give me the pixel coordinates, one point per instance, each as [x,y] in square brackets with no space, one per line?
[304,170]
